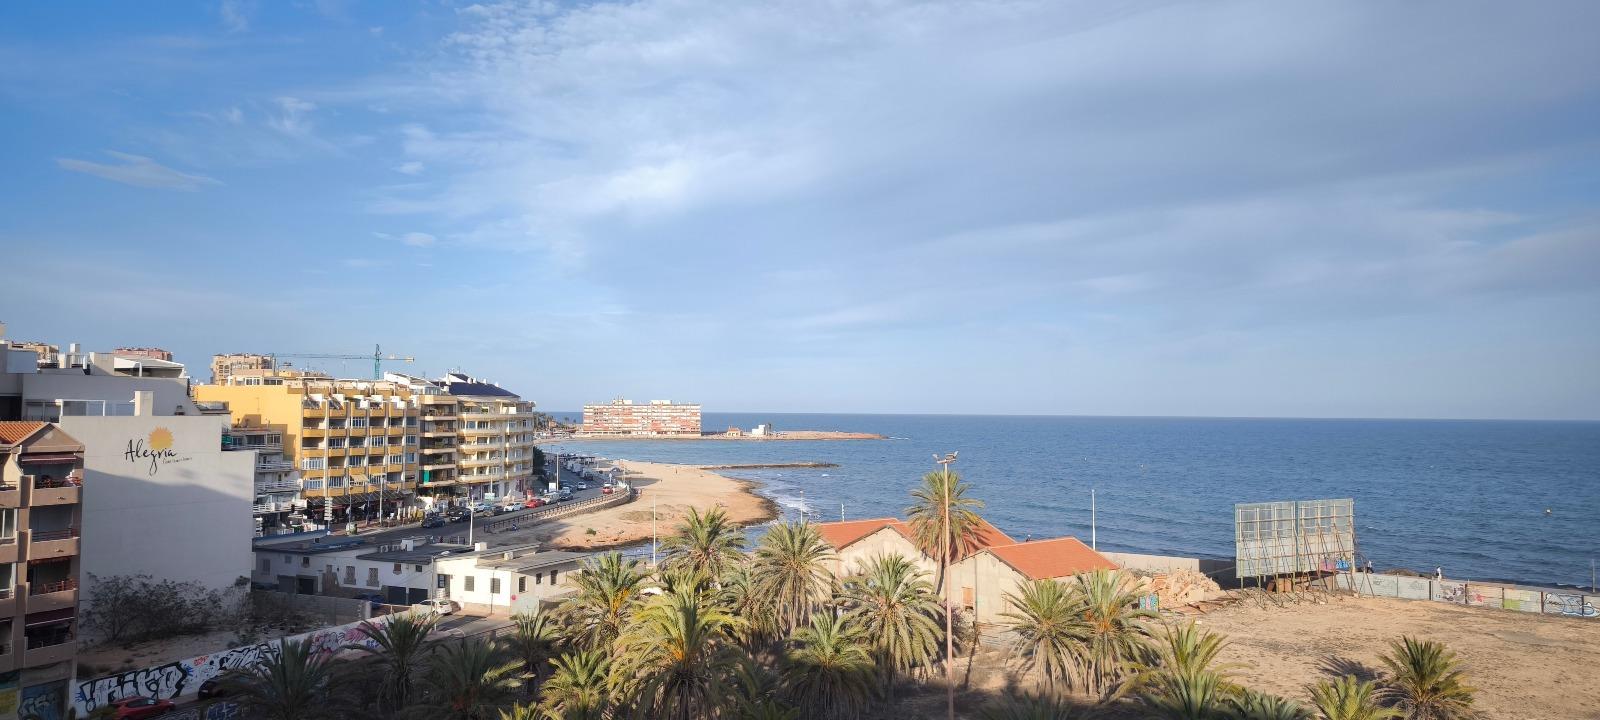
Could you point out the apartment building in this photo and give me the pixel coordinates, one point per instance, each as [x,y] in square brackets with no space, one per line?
[494,438]
[278,506]
[41,477]
[224,366]
[354,442]
[440,423]
[39,383]
[658,418]
[144,352]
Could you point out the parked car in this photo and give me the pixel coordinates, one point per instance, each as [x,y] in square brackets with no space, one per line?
[534,502]
[457,514]
[606,490]
[432,520]
[214,688]
[438,606]
[583,486]
[139,707]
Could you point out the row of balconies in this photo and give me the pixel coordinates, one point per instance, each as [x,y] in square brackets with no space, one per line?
[40,491]
[277,506]
[353,410]
[357,431]
[284,485]
[358,450]
[274,466]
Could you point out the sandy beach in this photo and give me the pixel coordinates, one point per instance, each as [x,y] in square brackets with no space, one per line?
[673,489]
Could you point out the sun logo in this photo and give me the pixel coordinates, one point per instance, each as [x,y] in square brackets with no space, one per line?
[160,439]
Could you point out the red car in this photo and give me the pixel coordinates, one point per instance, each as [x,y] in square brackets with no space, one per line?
[139,707]
[533,503]
[605,490]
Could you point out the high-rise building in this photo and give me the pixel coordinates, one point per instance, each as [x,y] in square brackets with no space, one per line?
[658,418]
[41,478]
[224,366]
[355,442]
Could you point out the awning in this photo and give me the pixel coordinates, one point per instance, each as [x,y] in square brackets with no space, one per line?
[56,457]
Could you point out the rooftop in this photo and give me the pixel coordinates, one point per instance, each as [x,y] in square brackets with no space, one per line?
[418,554]
[843,534]
[1055,558]
[15,431]
[531,562]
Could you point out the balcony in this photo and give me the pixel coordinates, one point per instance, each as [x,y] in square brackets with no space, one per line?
[11,493]
[313,432]
[278,486]
[52,544]
[314,412]
[439,417]
[55,491]
[53,595]
[274,466]
[55,648]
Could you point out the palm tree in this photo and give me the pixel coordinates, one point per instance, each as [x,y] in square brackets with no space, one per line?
[1252,705]
[677,655]
[1426,681]
[893,604]
[1349,699]
[708,543]
[1184,682]
[607,591]
[743,596]
[533,640]
[945,523]
[1034,707]
[400,645]
[829,671]
[467,680]
[791,570]
[756,692]
[1117,629]
[1048,619]
[577,688]
[522,712]
[289,685]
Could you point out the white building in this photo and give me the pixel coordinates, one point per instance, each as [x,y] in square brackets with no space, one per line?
[408,571]
[163,498]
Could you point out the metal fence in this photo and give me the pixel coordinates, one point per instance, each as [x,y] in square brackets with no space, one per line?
[1548,601]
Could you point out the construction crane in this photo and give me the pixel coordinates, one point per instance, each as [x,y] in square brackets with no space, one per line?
[377,357]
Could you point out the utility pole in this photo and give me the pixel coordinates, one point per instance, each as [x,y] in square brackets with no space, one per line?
[841,512]
[652,530]
[1094,542]
[944,575]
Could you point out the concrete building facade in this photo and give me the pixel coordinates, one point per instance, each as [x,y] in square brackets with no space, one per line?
[41,481]
[657,418]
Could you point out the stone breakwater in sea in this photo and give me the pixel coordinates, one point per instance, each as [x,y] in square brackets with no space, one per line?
[769,466]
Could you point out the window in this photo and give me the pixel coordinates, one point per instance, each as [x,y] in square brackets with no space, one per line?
[467,583]
[335,482]
[358,422]
[358,442]
[411,458]
[522,583]
[418,568]
[313,484]
[313,463]
[372,577]
[552,577]
[274,439]
[349,574]
[397,568]
[538,578]
[335,443]
[305,561]
[266,565]
[494,586]
[395,459]
[966,596]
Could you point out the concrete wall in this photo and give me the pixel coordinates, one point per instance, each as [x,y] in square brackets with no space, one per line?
[170,393]
[177,511]
[986,580]
[1570,603]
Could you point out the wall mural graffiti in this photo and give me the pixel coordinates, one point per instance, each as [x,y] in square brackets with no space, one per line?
[44,702]
[183,677]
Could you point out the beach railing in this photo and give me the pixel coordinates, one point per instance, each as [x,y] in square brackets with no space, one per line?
[551,512]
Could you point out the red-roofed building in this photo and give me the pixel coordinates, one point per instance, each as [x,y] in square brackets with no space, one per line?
[858,541]
[981,581]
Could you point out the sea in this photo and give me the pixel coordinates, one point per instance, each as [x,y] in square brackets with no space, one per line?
[1509,501]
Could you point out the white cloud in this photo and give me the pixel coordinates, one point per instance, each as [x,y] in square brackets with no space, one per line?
[417,239]
[236,14]
[293,116]
[409,168]
[139,171]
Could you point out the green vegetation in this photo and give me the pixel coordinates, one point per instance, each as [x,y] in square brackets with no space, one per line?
[719,634]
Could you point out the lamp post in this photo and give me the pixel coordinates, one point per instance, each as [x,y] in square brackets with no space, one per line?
[944,576]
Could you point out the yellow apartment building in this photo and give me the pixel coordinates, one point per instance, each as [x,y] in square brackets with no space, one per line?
[355,443]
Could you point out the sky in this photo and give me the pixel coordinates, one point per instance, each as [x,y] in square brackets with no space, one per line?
[1351,209]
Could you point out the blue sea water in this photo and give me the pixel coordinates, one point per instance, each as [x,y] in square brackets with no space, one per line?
[1468,496]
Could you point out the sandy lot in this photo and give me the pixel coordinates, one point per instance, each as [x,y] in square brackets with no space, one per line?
[673,489]
[1525,666]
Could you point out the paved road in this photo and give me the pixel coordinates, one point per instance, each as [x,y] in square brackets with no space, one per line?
[461,528]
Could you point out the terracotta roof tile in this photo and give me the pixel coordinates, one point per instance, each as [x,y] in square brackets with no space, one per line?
[842,534]
[1055,558]
[15,431]
[989,536]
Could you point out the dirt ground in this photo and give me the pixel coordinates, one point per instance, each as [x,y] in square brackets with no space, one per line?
[1525,666]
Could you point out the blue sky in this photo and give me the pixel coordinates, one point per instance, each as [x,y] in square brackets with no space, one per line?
[1277,209]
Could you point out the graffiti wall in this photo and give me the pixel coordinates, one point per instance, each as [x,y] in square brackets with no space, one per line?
[44,702]
[183,677]
[1457,592]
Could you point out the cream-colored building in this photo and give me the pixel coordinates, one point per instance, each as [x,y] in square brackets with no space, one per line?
[657,418]
[354,442]
[224,366]
[978,581]
[477,439]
